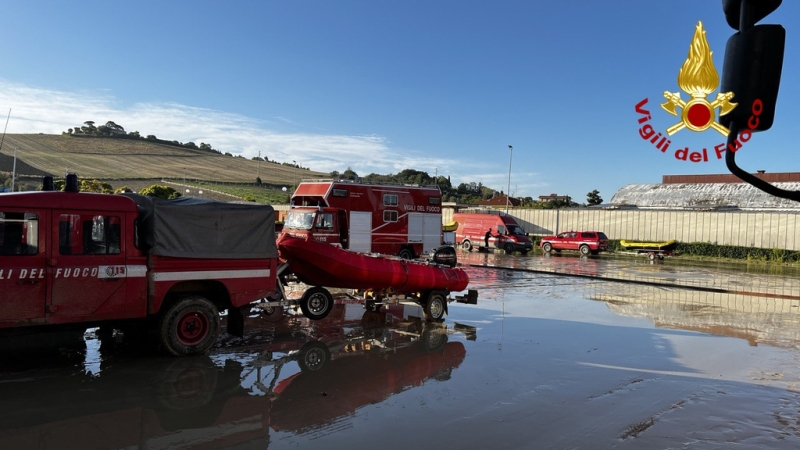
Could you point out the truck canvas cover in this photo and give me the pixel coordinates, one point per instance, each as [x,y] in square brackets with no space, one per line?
[190,227]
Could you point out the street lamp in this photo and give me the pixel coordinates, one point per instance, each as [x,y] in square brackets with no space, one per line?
[510,154]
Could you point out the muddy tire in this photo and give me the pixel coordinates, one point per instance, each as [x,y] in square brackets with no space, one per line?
[406,254]
[435,307]
[585,250]
[547,247]
[466,245]
[189,327]
[313,356]
[316,303]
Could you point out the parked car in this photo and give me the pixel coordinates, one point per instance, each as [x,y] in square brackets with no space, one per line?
[585,242]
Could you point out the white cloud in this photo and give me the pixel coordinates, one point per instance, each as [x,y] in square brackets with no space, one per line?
[38,110]
[47,111]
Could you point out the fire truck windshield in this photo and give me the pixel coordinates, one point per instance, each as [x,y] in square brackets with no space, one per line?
[299,220]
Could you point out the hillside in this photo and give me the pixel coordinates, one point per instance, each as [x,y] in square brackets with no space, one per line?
[126,159]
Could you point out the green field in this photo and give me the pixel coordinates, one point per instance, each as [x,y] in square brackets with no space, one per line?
[249,193]
[119,160]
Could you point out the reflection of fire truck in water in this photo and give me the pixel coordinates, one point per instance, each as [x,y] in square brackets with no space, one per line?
[391,219]
[199,403]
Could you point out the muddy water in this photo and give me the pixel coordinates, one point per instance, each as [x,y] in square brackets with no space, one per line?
[542,361]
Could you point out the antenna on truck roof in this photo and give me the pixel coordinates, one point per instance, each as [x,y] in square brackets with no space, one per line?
[4,130]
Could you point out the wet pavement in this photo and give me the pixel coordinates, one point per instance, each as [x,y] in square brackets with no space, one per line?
[543,361]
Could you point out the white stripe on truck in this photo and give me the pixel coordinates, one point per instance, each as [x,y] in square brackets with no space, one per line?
[210,275]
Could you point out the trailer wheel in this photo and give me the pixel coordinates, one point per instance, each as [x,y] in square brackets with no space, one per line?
[466,245]
[652,256]
[435,307]
[272,313]
[316,303]
[585,250]
[406,254]
[547,247]
[313,356]
[432,339]
[189,327]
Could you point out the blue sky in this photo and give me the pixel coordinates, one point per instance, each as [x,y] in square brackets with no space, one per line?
[388,85]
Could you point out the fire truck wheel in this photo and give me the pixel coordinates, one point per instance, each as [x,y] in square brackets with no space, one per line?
[435,307]
[509,248]
[585,250]
[313,356]
[316,303]
[189,327]
[466,245]
[406,254]
[547,247]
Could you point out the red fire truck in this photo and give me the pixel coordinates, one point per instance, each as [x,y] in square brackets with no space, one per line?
[390,219]
[120,261]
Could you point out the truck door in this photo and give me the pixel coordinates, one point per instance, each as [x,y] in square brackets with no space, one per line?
[344,235]
[23,280]
[360,231]
[425,229]
[88,271]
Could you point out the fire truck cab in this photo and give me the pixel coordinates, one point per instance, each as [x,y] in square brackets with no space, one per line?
[390,219]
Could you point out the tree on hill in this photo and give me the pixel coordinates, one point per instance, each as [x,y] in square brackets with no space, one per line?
[593,198]
[96,186]
[349,174]
[162,192]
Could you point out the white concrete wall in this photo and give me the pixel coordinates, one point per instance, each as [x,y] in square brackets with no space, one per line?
[764,229]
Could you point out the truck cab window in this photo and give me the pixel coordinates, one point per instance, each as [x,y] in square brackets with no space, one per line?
[299,220]
[516,230]
[88,235]
[325,221]
[19,233]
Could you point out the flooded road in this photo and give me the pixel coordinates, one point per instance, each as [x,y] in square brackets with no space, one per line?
[543,361]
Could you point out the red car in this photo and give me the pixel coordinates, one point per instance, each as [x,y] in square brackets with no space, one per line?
[585,242]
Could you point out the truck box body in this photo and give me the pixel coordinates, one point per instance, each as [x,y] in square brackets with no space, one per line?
[506,233]
[388,219]
[69,257]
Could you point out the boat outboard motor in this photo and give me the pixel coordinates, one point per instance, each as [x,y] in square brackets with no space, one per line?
[444,255]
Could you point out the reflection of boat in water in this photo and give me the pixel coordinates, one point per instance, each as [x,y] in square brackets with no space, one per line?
[320,264]
[350,383]
[646,245]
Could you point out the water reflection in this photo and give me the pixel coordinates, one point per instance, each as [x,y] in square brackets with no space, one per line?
[757,319]
[292,376]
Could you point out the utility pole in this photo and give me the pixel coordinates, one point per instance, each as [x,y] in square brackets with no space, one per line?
[508,190]
[258,166]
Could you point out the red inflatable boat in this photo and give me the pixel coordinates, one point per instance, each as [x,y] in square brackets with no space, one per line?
[320,264]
